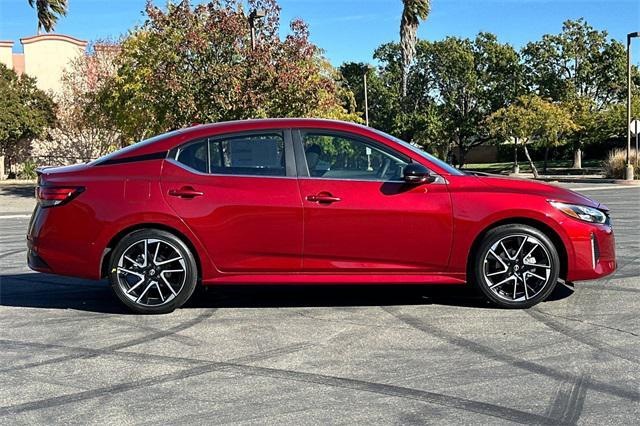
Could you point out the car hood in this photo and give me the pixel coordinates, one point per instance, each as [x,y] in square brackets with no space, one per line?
[551,192]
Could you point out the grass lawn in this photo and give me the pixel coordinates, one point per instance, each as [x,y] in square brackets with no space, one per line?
[554,167]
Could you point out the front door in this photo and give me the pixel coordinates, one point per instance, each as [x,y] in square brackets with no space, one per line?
[239,194]
[359,216]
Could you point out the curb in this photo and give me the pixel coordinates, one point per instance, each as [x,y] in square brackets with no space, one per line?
[589,180]
[9,182]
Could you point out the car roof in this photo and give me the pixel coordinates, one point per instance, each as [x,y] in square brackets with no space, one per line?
[275,122]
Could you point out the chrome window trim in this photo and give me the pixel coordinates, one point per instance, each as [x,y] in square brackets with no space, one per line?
[196,172]
[298,140]
[439,180]
[283,132]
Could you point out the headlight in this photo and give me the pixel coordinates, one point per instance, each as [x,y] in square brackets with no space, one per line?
[587,214]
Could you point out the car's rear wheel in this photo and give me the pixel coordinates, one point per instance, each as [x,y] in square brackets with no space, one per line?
[152,271]
[516,266]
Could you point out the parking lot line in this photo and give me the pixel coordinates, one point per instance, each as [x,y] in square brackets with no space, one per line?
[16,216]
[598,188]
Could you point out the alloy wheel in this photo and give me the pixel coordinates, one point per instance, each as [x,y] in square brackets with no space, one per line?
[517,267]
[151,272]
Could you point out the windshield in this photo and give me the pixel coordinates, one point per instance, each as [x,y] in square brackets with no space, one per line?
[438,162]
[133,147]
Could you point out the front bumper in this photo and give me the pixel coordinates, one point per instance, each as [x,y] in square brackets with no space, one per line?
[594,253]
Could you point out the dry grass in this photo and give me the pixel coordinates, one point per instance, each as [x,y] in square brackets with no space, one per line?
[614,166]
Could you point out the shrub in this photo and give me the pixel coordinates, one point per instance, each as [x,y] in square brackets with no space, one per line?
[615,165]
[28,170]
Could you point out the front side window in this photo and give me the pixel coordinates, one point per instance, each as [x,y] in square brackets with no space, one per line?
[332,156]
[261,155]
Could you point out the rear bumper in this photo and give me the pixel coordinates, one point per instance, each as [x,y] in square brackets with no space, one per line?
[59,244]
[594,253]
[36,262]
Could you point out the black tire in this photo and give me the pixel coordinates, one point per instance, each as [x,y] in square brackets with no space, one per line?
[167,288]
[487,273]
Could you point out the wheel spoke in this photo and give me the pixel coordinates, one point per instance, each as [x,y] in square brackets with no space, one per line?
[128,271]
[134,262]
[515,256]
[509,278]
[535,246]
[504,271]
[136,285]
[155,255]
[499,259]
[168,284]
[535,275]
[146,256]
[506,252]
[164,262]
[526,293]
[535,265]
[144,291]
[159,291]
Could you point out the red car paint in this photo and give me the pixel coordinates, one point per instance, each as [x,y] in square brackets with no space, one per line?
[255,229]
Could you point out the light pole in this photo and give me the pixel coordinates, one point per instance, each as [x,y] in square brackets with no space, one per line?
[366,69]
[255,14]
[629,169]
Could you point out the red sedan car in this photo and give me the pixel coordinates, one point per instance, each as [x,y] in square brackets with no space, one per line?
[306,201]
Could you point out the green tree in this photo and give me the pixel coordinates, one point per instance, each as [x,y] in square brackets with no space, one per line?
[412,13]
[532,119]
[26,113]
[582,68]
[186,65]
[470,79]
[49,11]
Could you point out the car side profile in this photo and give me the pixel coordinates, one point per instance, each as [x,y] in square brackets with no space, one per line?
[307,201]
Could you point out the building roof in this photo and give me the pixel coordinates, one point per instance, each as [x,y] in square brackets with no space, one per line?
[60,37]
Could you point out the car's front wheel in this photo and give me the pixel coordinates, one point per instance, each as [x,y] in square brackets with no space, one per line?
[516,266]
[152,271]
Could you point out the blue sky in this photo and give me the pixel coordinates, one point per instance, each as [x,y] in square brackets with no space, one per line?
[352,29]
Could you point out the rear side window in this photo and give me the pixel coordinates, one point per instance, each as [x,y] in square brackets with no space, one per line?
[253,155]
[260,155]
[194,156]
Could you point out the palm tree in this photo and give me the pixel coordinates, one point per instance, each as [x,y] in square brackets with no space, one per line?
[48,12]
[414,11]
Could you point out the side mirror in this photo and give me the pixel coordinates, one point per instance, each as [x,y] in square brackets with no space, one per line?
[416,174]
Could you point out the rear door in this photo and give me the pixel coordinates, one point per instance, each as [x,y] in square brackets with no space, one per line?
[360,216]
[239,194]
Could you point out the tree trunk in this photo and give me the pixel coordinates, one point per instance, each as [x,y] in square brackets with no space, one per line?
[533,166]
[577,158]
[546,157]
[462,154]
[405,78]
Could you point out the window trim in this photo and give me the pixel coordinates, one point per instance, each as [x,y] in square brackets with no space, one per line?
[301,158]
[289,157]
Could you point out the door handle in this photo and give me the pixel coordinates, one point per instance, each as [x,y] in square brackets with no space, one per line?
[185,192]
[323,197]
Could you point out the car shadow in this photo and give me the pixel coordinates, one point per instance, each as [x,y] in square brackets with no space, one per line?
[18,190]
[45,291]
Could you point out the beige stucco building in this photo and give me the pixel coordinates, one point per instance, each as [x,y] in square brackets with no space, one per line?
[44,57]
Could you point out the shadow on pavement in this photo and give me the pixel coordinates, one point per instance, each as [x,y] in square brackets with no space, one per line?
[26,190]
[54,292]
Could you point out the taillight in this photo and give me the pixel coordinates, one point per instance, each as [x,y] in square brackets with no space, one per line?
[50,196]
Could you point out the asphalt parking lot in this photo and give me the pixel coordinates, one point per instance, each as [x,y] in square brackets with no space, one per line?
[319,355]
